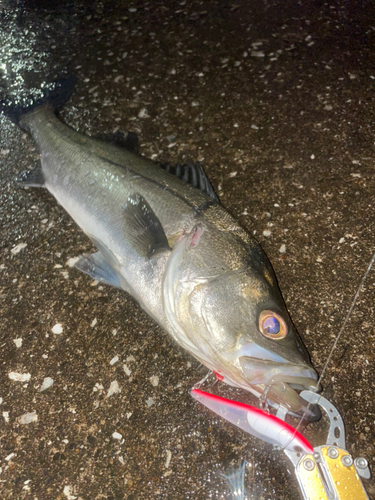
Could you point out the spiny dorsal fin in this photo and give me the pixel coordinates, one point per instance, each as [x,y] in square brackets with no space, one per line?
[144,228]
[193,174]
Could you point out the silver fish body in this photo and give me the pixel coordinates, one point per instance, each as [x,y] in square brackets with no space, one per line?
[181,255]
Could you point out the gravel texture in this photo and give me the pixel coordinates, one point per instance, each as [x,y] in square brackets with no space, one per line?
[276,99]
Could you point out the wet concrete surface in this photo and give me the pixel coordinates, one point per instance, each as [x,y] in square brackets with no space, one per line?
[277,101]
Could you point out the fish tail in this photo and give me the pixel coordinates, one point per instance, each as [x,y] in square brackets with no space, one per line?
[54,97]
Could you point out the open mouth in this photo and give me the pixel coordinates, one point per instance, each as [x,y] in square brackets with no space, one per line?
[280,381]
[283,394]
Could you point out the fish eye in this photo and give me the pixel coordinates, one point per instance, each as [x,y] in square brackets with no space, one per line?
[272,325]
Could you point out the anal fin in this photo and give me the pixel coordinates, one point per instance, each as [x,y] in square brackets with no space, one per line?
[98,268]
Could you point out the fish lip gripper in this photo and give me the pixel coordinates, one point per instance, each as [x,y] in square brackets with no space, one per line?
[330,473]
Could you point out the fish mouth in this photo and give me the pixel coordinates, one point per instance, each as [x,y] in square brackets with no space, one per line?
[298,376]
[280,381]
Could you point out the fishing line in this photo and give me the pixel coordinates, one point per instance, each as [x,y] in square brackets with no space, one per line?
[334,345]
[346,319]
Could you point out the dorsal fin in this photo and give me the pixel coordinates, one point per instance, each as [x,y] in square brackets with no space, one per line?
[193,174]
[129,140]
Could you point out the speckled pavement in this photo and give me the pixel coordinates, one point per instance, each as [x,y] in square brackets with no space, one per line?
[276,99]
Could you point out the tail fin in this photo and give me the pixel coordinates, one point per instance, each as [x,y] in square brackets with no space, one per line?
[55,98]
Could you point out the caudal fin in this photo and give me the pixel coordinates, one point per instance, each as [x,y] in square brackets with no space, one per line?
[55,98]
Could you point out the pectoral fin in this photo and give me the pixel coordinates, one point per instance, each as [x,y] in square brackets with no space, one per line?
[98,268]
[144,229]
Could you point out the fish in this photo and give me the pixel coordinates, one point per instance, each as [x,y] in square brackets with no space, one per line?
[163,236]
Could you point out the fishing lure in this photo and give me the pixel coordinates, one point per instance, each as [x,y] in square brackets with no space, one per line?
[256,422]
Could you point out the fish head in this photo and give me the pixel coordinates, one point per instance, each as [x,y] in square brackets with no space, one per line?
[249,338]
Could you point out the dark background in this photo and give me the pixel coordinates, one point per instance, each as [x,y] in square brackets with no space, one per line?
[277,101]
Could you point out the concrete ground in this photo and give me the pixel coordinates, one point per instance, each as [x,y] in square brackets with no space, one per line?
[276,99]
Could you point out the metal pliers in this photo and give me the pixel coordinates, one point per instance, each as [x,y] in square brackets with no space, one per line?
[326,472]
[330,473]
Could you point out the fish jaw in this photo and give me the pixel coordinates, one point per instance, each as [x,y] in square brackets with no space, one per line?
[280,382]
[271,377]
[268,372]
[276,383]
[276,393]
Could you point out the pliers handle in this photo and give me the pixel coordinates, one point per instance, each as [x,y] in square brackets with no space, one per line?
[330,472]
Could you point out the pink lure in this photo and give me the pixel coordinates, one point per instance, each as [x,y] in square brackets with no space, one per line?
[255,422]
